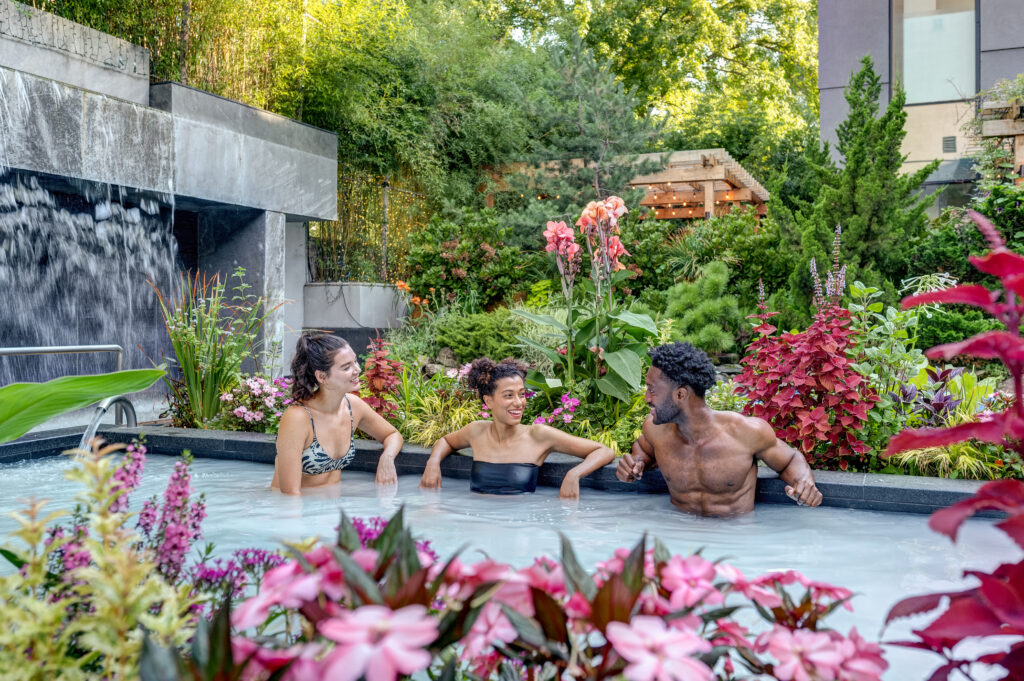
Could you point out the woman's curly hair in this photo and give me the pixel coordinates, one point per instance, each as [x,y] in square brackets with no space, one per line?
[313,353]
[484,373]
[684,365]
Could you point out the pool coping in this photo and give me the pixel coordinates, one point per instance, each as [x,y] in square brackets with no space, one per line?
[864,491]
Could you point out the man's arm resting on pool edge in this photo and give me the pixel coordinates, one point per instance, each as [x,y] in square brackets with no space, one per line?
[631,467]
[791,467]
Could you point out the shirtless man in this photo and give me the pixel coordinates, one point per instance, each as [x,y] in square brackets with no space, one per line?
[708,458]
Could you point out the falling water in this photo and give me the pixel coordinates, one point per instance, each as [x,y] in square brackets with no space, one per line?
[75,258]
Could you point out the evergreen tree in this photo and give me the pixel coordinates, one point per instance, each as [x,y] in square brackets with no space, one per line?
[704,315]
[879,208]
[585,146]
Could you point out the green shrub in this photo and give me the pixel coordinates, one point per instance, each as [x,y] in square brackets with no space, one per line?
[468,261]
[646,241]
[704,314]
[488,334]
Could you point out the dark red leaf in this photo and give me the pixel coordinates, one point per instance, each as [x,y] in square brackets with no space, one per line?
[1000,262]
[964,617]
[966,294]
[914,605]
[989,345]
[1001,495]
[985,431]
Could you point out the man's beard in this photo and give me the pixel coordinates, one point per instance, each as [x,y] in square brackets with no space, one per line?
[667,413]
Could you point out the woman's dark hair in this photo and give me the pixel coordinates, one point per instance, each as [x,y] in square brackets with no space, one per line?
[484,373]
[684,364]
[313,353]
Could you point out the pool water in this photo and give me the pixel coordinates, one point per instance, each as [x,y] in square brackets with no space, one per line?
[882,557]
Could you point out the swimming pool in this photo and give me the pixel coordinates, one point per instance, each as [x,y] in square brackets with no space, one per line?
[880,556]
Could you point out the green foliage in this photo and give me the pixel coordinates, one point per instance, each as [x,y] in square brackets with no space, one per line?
[468,260]
[646,240]
[723,397]
[211,337]
[1003,204]
[431,408]
[23,406]
[877,206]
[487,334]
[584,144]
[945,247]
[705,315]
[952,324]
[90,627]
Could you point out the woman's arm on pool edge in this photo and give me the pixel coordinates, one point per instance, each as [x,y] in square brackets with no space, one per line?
[594,454]
[443,447]
[375,425]
[291,436]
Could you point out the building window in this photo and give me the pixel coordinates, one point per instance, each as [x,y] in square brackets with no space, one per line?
[934,52]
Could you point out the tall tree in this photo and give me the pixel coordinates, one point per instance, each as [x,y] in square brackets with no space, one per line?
[879,208]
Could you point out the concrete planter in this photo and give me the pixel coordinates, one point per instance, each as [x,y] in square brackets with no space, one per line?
[352,305]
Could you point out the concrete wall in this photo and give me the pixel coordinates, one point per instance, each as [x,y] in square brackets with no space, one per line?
[236,154]
[927,124]
[847,31]
[289,168]
[46,45]
[294,281]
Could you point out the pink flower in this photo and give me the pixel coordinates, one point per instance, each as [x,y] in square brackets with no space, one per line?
[802,655]
[577,606]
[754,590]
[378,643]
[731,634]
[656,652]
[863,661]
[490,626]
[821,590]
[690,581]
[268,660]
[614,250]
[288,586]
[615,206]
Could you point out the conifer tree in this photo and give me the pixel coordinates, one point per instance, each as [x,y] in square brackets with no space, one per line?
[878,207]
[705,315]
[587,142]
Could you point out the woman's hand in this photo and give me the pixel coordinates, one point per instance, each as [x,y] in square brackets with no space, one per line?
[386,474]
[431,476]
[570,487]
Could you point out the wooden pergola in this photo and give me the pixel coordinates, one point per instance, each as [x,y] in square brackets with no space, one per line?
[699,184]
[1002,120]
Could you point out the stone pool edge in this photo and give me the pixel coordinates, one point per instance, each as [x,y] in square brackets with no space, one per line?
[865,491]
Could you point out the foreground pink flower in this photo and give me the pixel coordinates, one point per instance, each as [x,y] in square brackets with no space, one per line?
[261,661]
[862,661]
[689,580]
[755,590]
[657,652]
[490,627]
[288,586]
[802,655]
[378,643]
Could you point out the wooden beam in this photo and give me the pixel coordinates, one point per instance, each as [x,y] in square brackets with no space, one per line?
[687,174]
[1002,128]
[675,198]
[709,199]
[1018,158]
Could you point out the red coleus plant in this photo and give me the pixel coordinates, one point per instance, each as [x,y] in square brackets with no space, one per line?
[996,606]
[803,384]
[993,608]
[381,377]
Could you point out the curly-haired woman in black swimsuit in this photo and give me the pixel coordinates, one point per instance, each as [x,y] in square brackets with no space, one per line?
[316,438]
[506,453]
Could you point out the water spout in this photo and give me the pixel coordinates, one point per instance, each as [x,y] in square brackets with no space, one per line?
[123,405]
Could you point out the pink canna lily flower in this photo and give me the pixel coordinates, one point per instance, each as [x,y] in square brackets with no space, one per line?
[378,643]
[657,652]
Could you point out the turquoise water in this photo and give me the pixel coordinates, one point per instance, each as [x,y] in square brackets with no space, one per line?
[882,557]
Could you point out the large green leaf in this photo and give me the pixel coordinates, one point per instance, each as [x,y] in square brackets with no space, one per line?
[627,365]
[23,406]
[614,386]
[637,321]
[542,319]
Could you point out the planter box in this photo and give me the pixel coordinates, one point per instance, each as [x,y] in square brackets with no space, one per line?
[352,305]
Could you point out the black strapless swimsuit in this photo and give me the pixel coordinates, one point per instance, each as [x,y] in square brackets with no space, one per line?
[503,478]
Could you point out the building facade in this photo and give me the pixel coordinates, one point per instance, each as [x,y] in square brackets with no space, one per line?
[942,51]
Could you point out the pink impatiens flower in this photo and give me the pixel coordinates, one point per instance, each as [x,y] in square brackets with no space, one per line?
[657,652]
[378,643]
[288,586]
[490,627]
[689,580]
[802,655]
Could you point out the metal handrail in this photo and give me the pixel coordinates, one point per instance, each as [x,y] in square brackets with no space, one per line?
[74,349]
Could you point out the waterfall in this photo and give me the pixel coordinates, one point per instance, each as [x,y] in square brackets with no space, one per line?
[75,258]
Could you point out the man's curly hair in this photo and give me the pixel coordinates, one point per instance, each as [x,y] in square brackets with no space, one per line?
[684,365]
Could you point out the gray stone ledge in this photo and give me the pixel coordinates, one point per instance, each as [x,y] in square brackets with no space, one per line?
[864,491]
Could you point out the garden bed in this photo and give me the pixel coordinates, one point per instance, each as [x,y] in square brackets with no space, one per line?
[864,491]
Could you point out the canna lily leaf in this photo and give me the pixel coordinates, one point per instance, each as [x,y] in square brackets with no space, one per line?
[633,320]
[23,406]
[542,319]
[627,365]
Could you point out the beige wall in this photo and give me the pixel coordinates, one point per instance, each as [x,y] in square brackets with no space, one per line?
[927,124]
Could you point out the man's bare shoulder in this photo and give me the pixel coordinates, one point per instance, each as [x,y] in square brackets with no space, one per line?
[755,431]
[654,432]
